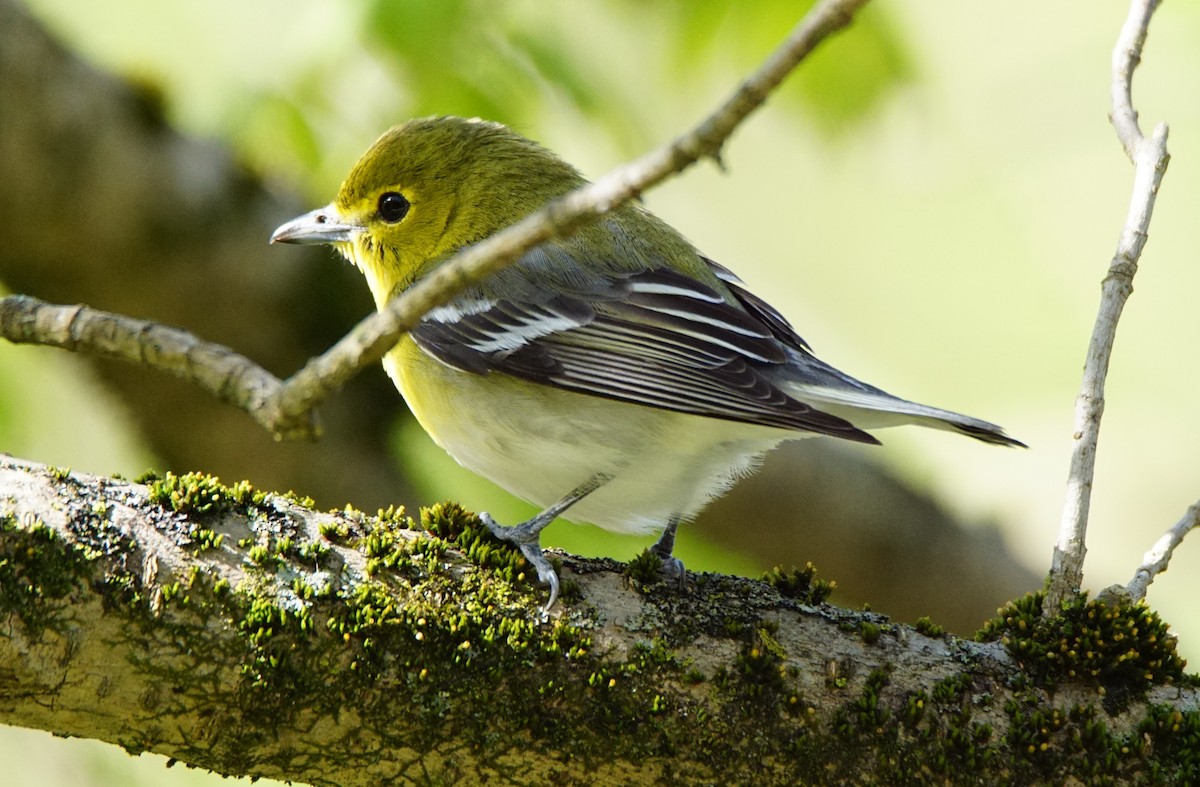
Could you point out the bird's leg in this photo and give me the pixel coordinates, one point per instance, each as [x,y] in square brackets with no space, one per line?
[663,547]
[526,536]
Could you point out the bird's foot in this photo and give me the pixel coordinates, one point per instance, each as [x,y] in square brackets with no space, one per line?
[671,568]
[525,537]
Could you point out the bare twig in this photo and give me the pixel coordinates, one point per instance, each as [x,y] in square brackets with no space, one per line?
[1149,157]
[287,408]
[1155,561]
[377,334]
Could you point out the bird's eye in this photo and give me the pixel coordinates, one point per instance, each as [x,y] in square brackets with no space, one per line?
[392,207]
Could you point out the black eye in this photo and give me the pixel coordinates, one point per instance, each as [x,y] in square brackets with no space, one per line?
[392,207]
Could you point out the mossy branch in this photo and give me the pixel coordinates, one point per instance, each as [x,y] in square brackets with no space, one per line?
[248,634]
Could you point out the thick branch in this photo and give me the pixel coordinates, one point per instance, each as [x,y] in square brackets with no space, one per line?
[248,634]
[1150,159]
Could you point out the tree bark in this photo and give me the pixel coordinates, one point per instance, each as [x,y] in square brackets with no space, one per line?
[248,634]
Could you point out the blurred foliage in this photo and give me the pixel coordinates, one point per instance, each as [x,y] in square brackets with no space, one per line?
[838,86]
[501,60]
[305,111]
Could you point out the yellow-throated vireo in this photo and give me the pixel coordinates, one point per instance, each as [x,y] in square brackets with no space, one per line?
[617,377]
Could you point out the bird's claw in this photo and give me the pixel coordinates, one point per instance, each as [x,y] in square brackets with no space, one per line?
[672,567]
[525,538]
[545,571]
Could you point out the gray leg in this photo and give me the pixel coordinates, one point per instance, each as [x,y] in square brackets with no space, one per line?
[663,547]
[526,536]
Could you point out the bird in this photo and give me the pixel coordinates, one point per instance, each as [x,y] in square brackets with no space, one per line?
[616,376]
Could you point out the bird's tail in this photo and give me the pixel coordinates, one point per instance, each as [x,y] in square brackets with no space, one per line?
[870,408]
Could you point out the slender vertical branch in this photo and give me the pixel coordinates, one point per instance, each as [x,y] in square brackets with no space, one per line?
[1149,157]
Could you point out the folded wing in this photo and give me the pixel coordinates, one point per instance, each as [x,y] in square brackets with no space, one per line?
[657,338]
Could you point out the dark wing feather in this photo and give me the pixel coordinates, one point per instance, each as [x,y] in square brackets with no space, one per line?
[657,338]
[767,314]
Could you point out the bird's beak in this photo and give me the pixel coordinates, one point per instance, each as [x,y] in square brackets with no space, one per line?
[323,225]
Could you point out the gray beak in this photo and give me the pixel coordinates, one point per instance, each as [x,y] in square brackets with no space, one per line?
[323,225]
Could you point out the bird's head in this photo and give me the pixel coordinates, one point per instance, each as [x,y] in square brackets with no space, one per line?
[427,188]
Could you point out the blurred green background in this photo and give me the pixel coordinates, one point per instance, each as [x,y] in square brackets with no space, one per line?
[933,201]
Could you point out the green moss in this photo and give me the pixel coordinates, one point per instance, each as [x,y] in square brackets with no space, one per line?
[38,573]
[1170,744]
[644,569]
[914,708]
[453,647]
[304,501]
[200,493]
[147,476]
[395,515]
[313,551]
[335,532]
[456,528]
[262,556]
[952,689]
[800,584]
[204,539]
[927,627]
[1115,644]
[761,668]
[654,654]
[870,632]
[866,715]
[1046,743]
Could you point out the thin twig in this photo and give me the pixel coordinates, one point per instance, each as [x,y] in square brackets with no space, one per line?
[1155,561]
[1149,157]
[375,335]
[287,408]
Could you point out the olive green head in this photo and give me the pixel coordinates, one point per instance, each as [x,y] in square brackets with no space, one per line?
[427,188]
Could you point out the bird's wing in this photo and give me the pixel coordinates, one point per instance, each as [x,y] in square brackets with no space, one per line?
[655,337]
[764,312]
[833,391]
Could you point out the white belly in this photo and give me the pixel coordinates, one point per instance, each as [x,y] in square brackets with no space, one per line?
[662,464]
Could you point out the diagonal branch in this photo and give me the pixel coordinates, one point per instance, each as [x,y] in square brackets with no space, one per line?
[374,336]
[216,369]
[286,408]
[1149,157]
[1155,561]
